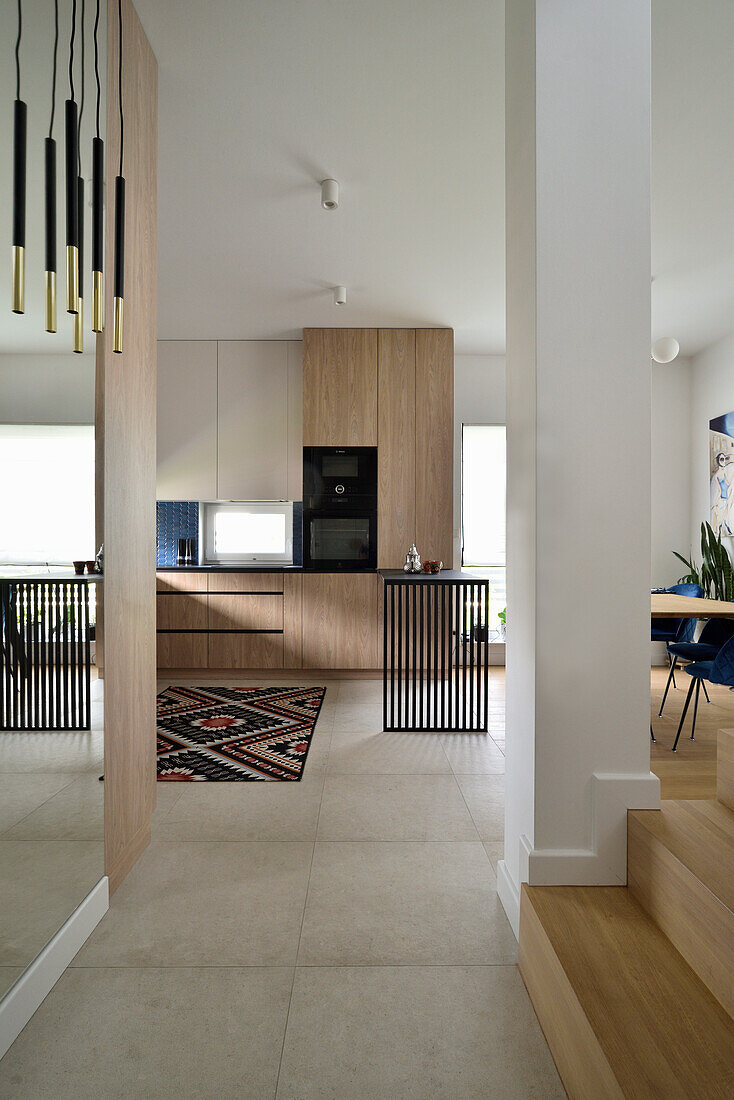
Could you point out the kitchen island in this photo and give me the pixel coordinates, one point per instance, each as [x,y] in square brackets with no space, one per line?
[435,651]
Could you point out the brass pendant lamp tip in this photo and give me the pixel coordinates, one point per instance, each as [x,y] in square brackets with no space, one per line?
[79,328]
[50,301]
[18,278]
[117,332]
[97,301]
[72,278]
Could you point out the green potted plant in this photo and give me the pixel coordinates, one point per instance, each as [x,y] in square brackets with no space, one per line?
[715,574]
[502,616]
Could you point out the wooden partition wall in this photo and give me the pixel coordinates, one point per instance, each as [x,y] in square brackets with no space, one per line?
[127,420]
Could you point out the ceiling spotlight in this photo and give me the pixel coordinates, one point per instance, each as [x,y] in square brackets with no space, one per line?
[329,194]
[665,349]
[340,295]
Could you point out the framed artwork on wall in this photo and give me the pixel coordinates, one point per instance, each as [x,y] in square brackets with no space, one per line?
[721,473]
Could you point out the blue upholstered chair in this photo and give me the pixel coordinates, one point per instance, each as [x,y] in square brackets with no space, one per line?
[720,670]
[667,630]
[713,636]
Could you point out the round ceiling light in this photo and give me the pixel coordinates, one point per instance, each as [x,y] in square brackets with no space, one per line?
[665,349]
[340,295]
[329,194]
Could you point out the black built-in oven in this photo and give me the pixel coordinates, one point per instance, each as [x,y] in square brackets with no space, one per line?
[340,508]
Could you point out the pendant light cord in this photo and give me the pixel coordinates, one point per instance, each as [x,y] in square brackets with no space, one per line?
[81,97]
[96,64]
[71,50]
[53,78]
[119,82]
[17,50]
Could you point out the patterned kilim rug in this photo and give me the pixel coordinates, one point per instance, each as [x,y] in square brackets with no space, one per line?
[221,733]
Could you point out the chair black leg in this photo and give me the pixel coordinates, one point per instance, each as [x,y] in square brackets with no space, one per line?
[685,711]
[652,735]
[695,707]
[673,663]
[671,676]
[703,685]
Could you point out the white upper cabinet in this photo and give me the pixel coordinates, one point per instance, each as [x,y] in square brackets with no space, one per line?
[187,420]
[253,420]
[229,420]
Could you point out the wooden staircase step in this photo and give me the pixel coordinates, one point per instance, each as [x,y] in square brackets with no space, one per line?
[725,768]
[680,868]
[623,1013]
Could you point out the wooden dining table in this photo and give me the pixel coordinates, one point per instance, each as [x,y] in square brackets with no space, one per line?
[668,605]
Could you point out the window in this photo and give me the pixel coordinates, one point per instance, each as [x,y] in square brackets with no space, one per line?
[47,473]
[483,475]
[238,532]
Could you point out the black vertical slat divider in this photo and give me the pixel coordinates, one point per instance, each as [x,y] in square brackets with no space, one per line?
[36,659]
[7,701]
[392,656]
[74,714]
[55,648]
[87,667]
[472,722]
[457,660]
[83,591]
[400,653]
[448,644]
[486,658]
[414,662]
[19,641]
[430,668]
[421,646]
[66,597]
[42,634]
[462,590]
[385,626]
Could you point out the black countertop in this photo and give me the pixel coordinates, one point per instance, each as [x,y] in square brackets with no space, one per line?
[419,578]
[15,574]
[275,568]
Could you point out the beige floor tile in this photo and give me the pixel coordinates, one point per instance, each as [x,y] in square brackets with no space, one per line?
[473,754]
[388,753]
[485,797]
[495,849]
[245,811]
[22,793]
[205,904]
[8,975]
[57,751]
[422,903]
[41,883]
[75,813]
[414,1033]
[129,1034]
[394,807]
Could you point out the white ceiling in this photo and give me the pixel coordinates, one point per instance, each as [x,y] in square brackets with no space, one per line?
[402,101]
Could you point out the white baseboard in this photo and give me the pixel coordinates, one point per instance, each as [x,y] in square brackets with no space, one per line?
[509,894]
[604,863]
[39,978]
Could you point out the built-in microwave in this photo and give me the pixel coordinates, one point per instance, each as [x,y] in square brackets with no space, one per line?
[340,508]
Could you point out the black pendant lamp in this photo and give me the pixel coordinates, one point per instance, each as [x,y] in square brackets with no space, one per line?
[49,151]
[119,272]
[20,128]
[79,318]
[97,203]
[71,158]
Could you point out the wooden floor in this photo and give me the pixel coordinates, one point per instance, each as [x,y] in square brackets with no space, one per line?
[690,772]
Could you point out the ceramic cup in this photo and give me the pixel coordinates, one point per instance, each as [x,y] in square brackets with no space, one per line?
[78,567]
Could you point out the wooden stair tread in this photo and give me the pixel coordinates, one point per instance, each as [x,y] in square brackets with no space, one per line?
[700,834]
[661,1031]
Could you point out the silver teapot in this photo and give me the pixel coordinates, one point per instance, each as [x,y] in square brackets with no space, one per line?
[412,561]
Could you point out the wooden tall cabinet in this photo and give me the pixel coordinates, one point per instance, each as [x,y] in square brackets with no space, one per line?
[434,443]
[339,387]
[396,525]
[187,420]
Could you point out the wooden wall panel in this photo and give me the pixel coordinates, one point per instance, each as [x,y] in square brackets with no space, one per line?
[130,457]
[339,387]
[342,620]
[396,446]
[434,443]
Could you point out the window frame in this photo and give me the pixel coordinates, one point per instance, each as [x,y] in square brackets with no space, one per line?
[208,509]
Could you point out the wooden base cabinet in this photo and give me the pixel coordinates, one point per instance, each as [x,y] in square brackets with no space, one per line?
[342,620]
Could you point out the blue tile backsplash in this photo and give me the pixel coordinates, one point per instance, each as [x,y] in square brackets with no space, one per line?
[179,519]
[174,519]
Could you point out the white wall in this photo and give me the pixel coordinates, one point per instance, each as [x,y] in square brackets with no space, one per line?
[670,510]
[47,389]
[479,398]
[712,393]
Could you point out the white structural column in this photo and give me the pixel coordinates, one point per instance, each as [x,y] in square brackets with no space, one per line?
[578,428]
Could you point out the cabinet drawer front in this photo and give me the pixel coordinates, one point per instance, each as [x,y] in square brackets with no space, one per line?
[181,611]
[245,651]
[235,611]
[182,650]
[245,582]
[180,582]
